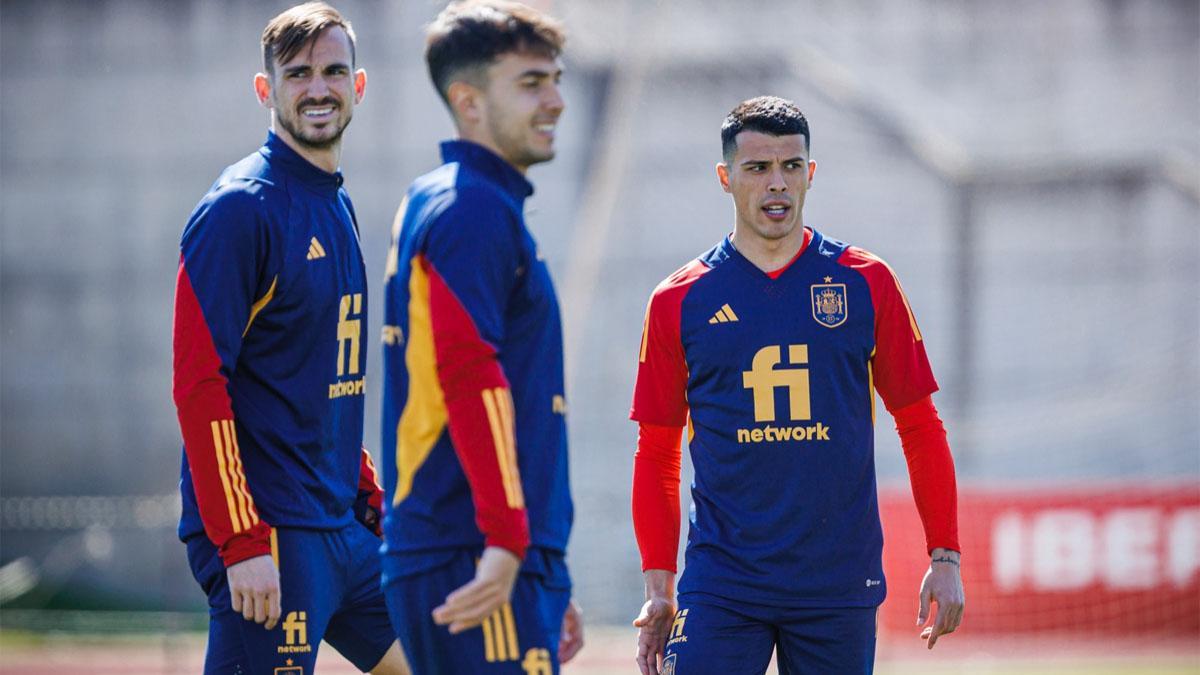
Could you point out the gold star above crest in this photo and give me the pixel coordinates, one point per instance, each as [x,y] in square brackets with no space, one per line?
[289,662]
[828,279]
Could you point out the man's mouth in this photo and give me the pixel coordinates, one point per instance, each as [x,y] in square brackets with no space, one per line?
[318,112]
[776,210]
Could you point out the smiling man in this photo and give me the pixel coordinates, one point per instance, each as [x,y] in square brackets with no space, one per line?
[280,501]
[769,349]
[474,430]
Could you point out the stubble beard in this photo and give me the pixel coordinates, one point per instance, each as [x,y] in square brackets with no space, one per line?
[289,124]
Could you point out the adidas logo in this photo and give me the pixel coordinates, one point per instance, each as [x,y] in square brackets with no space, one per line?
[315,250]
[724,315]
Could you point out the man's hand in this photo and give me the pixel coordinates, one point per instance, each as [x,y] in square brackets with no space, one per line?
[654,621]
[254,590]
[943,585]
[570,640]
[492,586]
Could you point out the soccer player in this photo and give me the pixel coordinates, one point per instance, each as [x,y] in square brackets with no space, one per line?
[474,430]
[768,348]
[270,303]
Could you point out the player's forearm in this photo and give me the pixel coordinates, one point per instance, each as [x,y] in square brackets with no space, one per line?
[655,500]
[481,431]
[931,472]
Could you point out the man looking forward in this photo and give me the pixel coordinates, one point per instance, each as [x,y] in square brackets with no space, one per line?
[769,348]
[270,302]
[474,430]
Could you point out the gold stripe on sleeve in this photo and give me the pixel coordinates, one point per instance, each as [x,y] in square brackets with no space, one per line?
[508,421]
[240,477]
[494,414]
[221,471]
[231,462]
[645,335]
[871,383]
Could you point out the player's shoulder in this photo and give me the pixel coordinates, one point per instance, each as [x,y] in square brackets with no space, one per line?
[245,197]
[878,274]
[247,184]
[451,206]
[679,282]
[846,254]
[452,191]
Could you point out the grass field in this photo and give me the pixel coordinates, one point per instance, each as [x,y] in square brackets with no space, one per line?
[609,652]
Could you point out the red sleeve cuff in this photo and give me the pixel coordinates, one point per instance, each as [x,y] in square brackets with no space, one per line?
[931,471]
[253,543]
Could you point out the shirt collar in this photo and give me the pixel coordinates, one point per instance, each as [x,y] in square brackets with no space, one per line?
[488,163]
[276,150]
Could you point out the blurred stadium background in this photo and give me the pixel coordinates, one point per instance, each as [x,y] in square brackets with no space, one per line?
[1031,170]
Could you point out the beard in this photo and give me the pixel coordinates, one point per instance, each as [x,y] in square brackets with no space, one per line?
[292,122]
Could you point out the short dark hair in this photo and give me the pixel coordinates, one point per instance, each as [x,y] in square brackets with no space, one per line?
[287,33]
[764,114]
[471,35]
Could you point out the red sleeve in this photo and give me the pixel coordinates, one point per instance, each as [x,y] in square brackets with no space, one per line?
[210,435]
[931,470]
[479,410]
[660,391]
[900,366]
[656,495]
[368,484]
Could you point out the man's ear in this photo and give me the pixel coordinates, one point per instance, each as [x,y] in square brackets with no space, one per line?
[723,176]
[262,89]
[360,85]
[466,102]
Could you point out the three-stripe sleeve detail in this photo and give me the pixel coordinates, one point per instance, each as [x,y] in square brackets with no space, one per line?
[499,406]
[242,513]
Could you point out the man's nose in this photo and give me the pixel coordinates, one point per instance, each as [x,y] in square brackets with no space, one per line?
[777,184]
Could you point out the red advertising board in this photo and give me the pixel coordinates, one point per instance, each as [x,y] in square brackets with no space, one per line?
[1102,560]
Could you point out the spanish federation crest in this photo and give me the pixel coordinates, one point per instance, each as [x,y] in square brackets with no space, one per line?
[668,665]
[829,304]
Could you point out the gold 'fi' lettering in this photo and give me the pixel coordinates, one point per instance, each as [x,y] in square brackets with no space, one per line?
[676,635]
[763,379]
[295,634]
[537,662]
[349,332]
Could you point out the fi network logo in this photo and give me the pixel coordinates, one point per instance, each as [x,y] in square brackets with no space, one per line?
[349,329]
[537,662]
[295,634]
[763,379]
[676,635]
